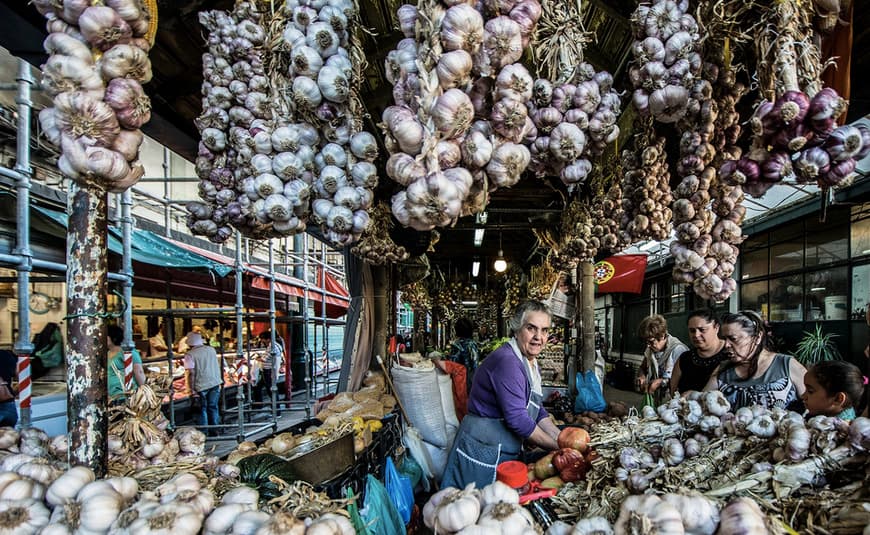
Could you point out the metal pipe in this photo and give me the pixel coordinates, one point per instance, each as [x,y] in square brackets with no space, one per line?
[323,317]
[239,332]
[273,349]
[169,334]
[86,327]
[45,265]
[305,325]
[167,211]
[184,311]
[23,348]
[127,269]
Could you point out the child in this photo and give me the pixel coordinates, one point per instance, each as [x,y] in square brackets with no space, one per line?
[834,388]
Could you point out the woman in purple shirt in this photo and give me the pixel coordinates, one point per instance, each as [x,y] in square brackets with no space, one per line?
[505,404]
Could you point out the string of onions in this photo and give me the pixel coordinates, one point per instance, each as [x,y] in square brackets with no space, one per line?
[235,160]
[98,61]
[647,197]
[575,122]
[667,60]
[320,66]
[457,63]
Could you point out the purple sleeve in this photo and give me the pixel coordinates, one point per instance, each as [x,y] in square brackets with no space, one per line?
[512,393]
[542,414]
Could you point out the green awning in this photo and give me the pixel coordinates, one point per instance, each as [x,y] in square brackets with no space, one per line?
[146,247]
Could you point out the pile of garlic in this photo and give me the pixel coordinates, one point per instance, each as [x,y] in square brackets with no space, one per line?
[375,245]
[646,202]
[98,61]
[457,63]
[667,59]
[605,214]
[574,122]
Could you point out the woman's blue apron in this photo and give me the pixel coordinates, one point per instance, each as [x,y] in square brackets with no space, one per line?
[482,443]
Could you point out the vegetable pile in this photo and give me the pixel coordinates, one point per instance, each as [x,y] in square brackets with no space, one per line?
[98,61]
[696,448]
[39,493]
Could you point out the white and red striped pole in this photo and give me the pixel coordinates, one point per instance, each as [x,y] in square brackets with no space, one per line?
[24,383]
[128,371]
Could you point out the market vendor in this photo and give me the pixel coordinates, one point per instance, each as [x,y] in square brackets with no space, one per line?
[662,351]
[505,404]
[157,344]
[755,374]
[694,367]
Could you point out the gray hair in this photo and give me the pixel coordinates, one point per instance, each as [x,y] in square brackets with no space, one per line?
[522,311]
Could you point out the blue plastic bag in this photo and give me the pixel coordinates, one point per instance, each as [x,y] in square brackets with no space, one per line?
[589,394]
[380,514]
[400,490]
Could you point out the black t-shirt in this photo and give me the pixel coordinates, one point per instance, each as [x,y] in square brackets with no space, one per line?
[696,371]
[8,365]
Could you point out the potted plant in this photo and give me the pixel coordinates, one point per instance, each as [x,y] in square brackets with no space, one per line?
[817,346]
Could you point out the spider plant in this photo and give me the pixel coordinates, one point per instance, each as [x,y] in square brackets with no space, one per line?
[817,346]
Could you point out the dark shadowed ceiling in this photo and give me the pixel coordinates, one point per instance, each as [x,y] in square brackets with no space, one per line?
[175,94]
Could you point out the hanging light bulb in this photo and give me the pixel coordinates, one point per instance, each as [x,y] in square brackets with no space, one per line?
[500,263]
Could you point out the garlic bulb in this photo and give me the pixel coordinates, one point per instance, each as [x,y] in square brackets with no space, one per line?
[23,517]
[642,514]
[742,516]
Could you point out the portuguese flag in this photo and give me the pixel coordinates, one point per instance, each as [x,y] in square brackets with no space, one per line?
[622,273]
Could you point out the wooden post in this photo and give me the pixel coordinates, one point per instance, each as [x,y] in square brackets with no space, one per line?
[381,311]
[587,315]
[86,278]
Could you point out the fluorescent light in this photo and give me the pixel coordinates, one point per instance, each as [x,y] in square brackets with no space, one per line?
[478,236]
[469,303]
[475,268]
[818,289]
[481,218]
[649,245]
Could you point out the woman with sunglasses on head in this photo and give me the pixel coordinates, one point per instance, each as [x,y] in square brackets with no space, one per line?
[694,367]
[755,374]
[662,352]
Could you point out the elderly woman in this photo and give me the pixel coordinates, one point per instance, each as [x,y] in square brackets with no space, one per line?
[505,404]
[662,352]
[694,367]
[755,374]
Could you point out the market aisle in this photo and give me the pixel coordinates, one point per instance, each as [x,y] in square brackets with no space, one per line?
[629,397]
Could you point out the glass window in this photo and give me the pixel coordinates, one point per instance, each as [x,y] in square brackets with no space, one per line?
[786,298]
[678,297]
[861,230]
[753,257]
[754,297]
[827,294]
[788,254]
[860,291]
[829,241]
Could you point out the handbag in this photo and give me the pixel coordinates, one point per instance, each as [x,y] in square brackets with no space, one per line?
[6,393]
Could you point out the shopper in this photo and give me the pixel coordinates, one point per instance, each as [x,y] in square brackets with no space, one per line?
[205,378]
[754,373]
[8,409]
[47,350]
[662,352]
[835,388]
[464,349]
[694,367]
[505,404]
[266,368]
[116,372]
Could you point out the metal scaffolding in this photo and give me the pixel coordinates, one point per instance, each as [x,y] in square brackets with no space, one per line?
[23,262]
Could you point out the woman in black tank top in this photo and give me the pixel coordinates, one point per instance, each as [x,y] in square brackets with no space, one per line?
[694,367]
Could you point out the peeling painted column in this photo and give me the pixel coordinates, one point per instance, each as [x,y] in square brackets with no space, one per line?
[587,315]
[87,262]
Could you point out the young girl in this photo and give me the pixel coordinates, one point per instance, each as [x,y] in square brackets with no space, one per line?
[835,388]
